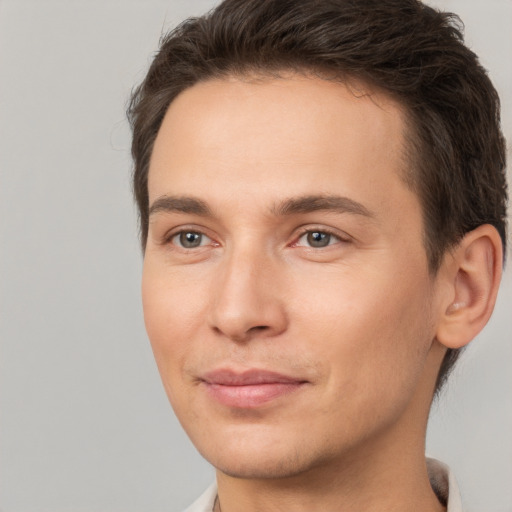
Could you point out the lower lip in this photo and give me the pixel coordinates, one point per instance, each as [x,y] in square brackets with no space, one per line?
[251,395]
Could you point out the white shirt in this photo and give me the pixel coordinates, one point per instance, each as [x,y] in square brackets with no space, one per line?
[441,478]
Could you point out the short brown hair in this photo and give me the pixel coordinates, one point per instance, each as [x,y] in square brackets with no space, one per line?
[407,49]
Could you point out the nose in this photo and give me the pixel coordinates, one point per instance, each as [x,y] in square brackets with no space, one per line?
[247,300]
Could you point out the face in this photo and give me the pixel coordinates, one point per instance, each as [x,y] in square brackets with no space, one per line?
[286,289]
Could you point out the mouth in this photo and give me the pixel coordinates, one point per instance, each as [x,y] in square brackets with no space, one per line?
[248,389]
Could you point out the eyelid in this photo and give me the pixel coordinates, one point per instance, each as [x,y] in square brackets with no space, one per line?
[303,230]
[204,240]
[340,236]
[172,233]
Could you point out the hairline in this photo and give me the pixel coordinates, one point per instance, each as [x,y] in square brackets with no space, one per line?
[412,145]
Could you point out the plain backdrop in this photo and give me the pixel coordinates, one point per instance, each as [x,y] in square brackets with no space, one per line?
[85,424]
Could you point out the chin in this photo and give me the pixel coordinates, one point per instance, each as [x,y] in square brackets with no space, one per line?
[266,467]
[260,456]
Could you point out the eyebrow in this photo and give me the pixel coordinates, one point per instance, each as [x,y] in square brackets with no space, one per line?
[308,204]
[180,204]
[292,206]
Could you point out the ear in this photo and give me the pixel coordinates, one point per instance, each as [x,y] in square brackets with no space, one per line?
[471,275]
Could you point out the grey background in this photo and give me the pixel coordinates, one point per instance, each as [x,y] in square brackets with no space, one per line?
[85,424]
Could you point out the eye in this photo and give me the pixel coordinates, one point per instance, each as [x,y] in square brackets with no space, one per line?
[190,239]
[318,239]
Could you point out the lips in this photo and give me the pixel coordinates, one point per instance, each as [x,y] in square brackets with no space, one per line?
[248,389]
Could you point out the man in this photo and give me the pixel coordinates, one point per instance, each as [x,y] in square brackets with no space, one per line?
[322,199]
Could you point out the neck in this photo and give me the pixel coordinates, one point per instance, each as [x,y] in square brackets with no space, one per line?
[371,485]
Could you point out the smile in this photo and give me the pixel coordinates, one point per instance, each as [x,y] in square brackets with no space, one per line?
[249,389]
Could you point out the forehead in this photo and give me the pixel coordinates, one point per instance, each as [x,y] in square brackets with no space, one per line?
[279,134]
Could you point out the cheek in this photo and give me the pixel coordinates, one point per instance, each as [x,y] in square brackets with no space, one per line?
[171,311]
[373,332]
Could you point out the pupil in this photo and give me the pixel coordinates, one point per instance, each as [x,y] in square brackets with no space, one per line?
[318,239]
[190,239]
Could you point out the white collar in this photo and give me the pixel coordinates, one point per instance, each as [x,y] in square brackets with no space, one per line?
[444,484]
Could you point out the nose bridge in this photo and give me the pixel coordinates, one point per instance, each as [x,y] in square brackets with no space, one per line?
[246,299]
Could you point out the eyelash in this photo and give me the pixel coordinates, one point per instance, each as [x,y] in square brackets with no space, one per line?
[168,239]
[326,231]
[304,231]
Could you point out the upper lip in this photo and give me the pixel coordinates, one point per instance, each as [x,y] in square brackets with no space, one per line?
[227,377]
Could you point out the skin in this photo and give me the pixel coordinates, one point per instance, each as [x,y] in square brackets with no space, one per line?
[356,321]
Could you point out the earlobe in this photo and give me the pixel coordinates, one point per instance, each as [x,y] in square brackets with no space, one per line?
[472,274]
